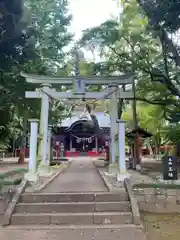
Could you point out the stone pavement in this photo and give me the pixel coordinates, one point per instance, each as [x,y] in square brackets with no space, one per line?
[123,233]
[80,176]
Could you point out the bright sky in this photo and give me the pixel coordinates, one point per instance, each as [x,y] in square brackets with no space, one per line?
[90,13]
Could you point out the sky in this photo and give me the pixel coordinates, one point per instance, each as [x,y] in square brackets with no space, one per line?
[90,13]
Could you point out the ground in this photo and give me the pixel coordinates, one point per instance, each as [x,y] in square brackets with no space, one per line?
[75,234]
[161,227]
[10,164]
[157,227]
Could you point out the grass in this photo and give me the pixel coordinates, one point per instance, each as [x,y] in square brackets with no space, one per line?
[16,181]
[8,183]
[4,181]
[156,185]
[13,172]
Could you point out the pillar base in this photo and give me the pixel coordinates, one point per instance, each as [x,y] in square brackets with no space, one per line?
[138,167]
[113,168]
[31,177]
[44,171]
[63,159]
[120,177]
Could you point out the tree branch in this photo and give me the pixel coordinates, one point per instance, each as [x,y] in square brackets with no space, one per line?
[153,102]
[159,29]
[158,101]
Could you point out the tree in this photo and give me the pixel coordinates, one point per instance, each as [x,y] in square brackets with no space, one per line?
[37,48]
[163,18]
[150,118]
[49,28]
[50,22]
[132,46]
[14,45]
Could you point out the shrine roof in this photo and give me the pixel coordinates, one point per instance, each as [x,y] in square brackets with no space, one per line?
[102,118]
[142,133]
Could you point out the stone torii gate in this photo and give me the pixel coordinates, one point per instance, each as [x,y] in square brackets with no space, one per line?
[79,92]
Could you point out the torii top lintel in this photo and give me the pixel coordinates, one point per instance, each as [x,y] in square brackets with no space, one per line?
[117,80]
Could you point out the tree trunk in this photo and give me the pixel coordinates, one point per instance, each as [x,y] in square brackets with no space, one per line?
[22,153]
[155,149]
[157,143]
[150,149]
[136,159]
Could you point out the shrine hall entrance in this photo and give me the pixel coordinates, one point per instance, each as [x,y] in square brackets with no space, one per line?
[83,143]
[82,137]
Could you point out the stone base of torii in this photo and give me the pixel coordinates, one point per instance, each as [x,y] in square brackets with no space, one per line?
[117,126]
[35,170]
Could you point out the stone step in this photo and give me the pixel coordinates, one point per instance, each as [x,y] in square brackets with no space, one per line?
[55,207]
[112,206]
[56,197]
[70,227]
[73,197]
[72,207]
[72,218]
[111,197]
[113,218]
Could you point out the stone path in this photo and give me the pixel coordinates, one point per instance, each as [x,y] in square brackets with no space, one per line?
[80,176]
[122,233]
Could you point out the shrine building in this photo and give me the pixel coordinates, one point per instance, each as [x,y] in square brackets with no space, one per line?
[83,134]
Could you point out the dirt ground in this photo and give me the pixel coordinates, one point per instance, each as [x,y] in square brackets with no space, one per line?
[161,226]
[10,164]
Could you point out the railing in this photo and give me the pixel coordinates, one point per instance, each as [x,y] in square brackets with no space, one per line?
[133,202]
[9,183]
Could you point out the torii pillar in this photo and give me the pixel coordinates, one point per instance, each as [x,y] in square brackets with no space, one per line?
[113,131]
[32,175]
[43,129]
[122,171]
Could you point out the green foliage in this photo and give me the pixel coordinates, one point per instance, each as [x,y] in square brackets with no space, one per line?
[164,13]
[14,45]
[14,40]
[164,22]
[172,134]
[134,45]
[13,172]
[50,21]
[156,185]
[33,37]
[150,118]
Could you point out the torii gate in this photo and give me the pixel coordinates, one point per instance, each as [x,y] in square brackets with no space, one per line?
[113,92]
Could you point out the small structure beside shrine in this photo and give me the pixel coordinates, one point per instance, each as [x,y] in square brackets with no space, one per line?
[132,136]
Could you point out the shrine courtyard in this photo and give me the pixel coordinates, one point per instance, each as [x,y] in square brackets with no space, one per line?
[81,175]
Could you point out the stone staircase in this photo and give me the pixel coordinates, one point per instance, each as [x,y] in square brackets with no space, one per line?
[69,209]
